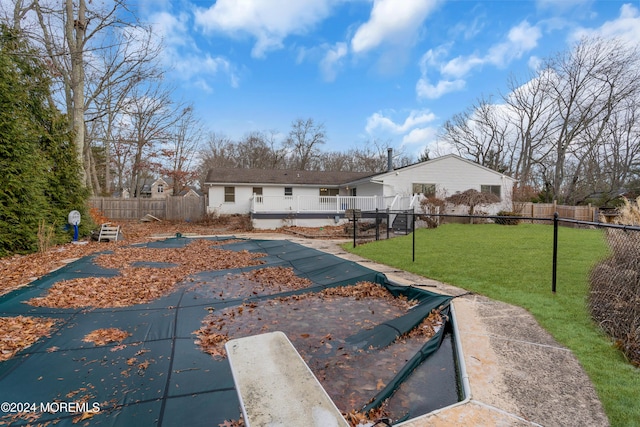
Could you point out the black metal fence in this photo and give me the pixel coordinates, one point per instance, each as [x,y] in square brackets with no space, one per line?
[392,223]
[614,282]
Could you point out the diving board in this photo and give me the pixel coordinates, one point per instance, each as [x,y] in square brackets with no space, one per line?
[276,387]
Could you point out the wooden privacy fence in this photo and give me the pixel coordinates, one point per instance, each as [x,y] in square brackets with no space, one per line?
[546,210]
[173,208]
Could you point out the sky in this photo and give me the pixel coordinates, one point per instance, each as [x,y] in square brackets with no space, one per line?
[391,71]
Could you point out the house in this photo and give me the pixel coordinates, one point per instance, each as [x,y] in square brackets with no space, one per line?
[190,192]
[317,198]
[154,188]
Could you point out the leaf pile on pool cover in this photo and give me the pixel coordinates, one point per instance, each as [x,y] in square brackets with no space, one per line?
[105,336]
[356,418]
[278,277]
[427,328]
[20,332]
[233,423]
[198,255]
[211,342]
[319,324]
[139,285]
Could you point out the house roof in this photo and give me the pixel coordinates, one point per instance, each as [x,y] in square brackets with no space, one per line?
[281,176]
[147,183]
[187,189]
[293,177]
[379,177]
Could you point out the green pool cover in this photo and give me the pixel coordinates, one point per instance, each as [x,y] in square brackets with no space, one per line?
[159,376]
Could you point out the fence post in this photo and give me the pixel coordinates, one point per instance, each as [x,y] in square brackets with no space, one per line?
[413,232]
[555,253]
[388,223]
[354,228]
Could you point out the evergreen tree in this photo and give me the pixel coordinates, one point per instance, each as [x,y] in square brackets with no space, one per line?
[39,179]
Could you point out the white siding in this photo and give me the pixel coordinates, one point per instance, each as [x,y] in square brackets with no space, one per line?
[240,206]
[244,193]
[451,175]
[369,189]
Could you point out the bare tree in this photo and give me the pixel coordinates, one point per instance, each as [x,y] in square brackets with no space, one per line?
[178,152]
[67,31]
[481,133]
[303,142]
[219,152]
[611,167]
[151,115]
[559,129]
[121,160]
[531,116]
[590,83]
[259,150]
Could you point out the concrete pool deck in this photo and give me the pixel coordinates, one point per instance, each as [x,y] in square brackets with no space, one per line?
[518,374]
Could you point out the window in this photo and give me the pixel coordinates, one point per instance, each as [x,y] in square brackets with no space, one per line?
[493,189]
[257,195]
[229,194]
[160,188]
[427,189]
[329,191]
[288,191]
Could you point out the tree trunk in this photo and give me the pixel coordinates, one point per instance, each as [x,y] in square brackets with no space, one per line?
[75,34]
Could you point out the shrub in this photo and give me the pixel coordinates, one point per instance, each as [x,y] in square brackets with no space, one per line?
[431,205]
[614,295]
[507,221]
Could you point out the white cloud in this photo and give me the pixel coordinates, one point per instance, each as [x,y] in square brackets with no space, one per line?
[433,60]
[424,89]
[332,61]
[433,57]
[520,39]
[625,27]
[468,32]
[391,21]
[170,28]
[181,54]
[423,136]
[269,21]
[378,121]
[460,66]
[417,129]
[535,62]
[561,5]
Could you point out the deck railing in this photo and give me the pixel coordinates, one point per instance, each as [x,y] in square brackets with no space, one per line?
[330,204]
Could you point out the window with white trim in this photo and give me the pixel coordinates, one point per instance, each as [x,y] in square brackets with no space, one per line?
[493,189]
[427,189]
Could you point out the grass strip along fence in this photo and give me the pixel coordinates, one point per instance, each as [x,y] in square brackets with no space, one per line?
[514,264]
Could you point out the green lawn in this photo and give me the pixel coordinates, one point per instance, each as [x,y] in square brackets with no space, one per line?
[513,264]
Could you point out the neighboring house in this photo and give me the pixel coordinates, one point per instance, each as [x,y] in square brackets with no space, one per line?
[155,188]
[313,198]
[189,191]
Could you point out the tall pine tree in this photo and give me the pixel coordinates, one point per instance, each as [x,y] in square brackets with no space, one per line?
[39,173]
